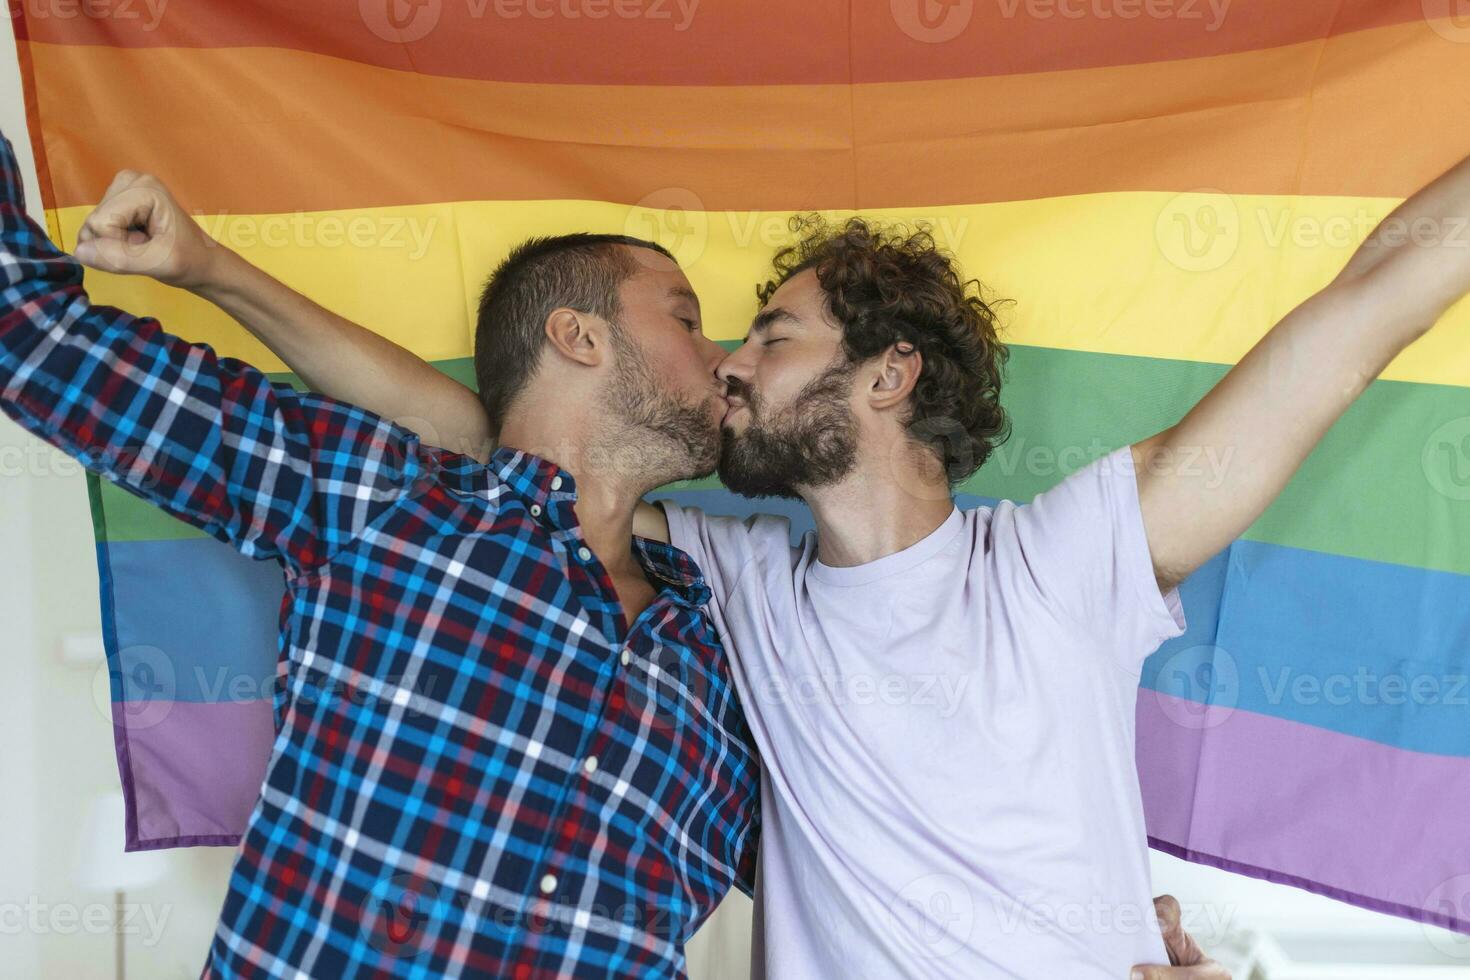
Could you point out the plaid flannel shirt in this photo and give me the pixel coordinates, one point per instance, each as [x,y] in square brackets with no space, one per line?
[480,768]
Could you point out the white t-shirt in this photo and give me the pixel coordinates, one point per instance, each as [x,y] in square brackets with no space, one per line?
[949,784]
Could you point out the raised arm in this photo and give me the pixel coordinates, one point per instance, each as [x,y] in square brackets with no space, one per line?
[140,229]
[210,440]
[1267,414]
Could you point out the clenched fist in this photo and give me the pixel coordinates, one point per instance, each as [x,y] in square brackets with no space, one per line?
[139,229]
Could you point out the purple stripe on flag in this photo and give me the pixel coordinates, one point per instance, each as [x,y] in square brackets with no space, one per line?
[1356,820]
[195,770]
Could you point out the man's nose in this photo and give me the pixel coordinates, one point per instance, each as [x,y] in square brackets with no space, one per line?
[733,368]
[713,354]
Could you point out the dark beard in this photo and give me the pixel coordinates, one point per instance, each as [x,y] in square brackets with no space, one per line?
[812,442]
[686,444]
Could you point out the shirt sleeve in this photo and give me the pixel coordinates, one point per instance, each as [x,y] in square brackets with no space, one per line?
[1084,547]
[724,547]
[210,440]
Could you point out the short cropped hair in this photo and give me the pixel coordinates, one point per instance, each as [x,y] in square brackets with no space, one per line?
[581,271]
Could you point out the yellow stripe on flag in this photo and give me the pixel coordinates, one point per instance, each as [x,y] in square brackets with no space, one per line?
[1194,276]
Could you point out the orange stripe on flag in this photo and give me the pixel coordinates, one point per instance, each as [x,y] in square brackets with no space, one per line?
[731,42]
[226,128]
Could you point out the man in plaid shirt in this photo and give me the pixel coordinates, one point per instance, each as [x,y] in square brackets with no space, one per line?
[508,744]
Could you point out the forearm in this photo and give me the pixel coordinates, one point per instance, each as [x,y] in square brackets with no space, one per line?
[146,410]
[1262,420]
[1427,241]
[338,358]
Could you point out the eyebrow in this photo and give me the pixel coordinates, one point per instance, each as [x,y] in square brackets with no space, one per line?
[684,292]
[766,319]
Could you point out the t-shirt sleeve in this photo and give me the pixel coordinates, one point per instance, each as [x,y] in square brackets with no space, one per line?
[723,547]
[1084,546]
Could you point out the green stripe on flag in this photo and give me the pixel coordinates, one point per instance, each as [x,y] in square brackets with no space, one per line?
[1375,488]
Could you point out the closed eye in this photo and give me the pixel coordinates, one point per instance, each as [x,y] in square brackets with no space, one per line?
[690,325]
[775,340]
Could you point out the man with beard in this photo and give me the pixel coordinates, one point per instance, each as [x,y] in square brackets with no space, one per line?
[483,766]
[909,840]
[944,700]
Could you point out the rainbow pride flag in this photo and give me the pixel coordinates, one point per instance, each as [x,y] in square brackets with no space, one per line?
[1155,183]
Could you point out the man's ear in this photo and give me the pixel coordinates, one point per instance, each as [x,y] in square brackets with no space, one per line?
[575,336]
[898,370]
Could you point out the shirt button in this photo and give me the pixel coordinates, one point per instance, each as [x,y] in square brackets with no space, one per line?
[627,657]
[548,884]
[590,765]
[556,483]
[535,510]
[584,554]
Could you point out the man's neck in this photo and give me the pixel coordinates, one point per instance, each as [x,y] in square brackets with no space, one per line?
[605,501]
[881,508]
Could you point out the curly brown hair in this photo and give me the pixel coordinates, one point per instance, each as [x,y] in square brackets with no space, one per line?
[888,283]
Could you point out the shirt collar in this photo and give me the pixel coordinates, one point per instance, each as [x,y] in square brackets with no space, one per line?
[543,484]
[540,483]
